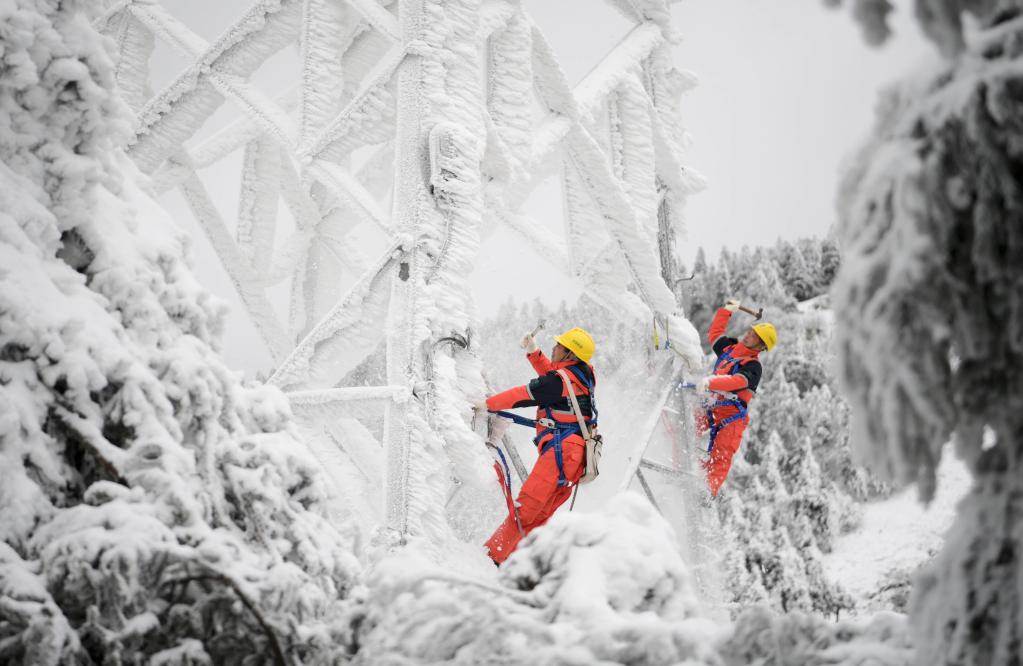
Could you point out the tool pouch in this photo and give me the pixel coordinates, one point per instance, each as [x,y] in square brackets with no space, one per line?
[594,449]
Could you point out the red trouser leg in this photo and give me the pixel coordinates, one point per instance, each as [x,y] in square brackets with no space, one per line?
[720,461]
[700,421]
[539,498]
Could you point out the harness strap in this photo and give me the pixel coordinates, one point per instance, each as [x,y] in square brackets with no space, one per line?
[725,357]
[559,454]
[589,389]
[575,404]
[516,418]
[716,427]
[559,430]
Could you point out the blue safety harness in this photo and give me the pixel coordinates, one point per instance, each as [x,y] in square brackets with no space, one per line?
[718,426]
[560,431]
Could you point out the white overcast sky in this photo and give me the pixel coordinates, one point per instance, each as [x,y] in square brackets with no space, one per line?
[787,89]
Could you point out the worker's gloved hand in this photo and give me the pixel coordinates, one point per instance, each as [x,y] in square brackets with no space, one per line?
[731,305]
[528,343]
[704,384]
[480,405]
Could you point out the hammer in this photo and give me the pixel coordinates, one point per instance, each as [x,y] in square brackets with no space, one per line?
[757,314]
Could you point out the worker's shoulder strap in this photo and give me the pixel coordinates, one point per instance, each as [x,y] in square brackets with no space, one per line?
[589,381]
[580,374]
[585,431]
[726,357]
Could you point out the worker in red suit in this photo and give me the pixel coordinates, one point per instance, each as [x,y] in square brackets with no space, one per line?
[561,447]
[736,376]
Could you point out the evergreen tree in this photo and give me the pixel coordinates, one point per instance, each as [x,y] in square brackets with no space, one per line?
[763,287]
[795,272]
[830,262]
[811,250]
[697,299]
[153,508]
[944,320]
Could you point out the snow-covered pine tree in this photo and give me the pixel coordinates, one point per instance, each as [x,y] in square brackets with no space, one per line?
[827,425]
[696,293]
[746,518]
[761,286]
[763,637]
[831,259]
[794,271]
[152,509]
[930,307]
[811,250]
[721,283]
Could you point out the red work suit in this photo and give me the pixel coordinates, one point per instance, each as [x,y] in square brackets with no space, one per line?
[737,374]
[541,495]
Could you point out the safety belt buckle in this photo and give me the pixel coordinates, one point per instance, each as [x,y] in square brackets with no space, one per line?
[546,423]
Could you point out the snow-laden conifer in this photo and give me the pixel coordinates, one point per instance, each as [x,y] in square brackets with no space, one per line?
[152,508]
[590,588]
[931,320]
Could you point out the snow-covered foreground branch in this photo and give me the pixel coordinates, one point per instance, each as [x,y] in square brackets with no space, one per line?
[151,506]
[931,317]
[594,588]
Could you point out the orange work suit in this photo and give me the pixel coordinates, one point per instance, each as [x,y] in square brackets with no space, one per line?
[540,495]
[737,374]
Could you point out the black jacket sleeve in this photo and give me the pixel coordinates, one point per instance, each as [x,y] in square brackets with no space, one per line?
[546,390]
[751,371]
[723,343]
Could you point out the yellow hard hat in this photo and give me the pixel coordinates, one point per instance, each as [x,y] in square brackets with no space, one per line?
[766,333]
[579,342]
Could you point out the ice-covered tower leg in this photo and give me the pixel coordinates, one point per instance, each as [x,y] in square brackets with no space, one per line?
[408,208]
[437,212]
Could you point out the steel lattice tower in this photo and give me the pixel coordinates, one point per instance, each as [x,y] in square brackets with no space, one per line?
[456,110]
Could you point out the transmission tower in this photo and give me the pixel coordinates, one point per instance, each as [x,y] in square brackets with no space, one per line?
[364,186]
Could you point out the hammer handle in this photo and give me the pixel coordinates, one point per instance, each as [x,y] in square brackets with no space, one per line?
[756,313]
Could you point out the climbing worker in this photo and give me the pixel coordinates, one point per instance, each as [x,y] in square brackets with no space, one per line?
[561,458]
[736,376]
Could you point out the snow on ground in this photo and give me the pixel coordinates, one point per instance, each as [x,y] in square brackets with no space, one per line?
[898,533]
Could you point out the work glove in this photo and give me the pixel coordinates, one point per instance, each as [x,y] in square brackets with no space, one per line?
[528,343]
[731,305]
[480,405]
[704,384]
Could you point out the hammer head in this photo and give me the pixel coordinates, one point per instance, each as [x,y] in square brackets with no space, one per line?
[759,314]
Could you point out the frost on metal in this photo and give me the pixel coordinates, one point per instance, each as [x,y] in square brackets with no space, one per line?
[409,124]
